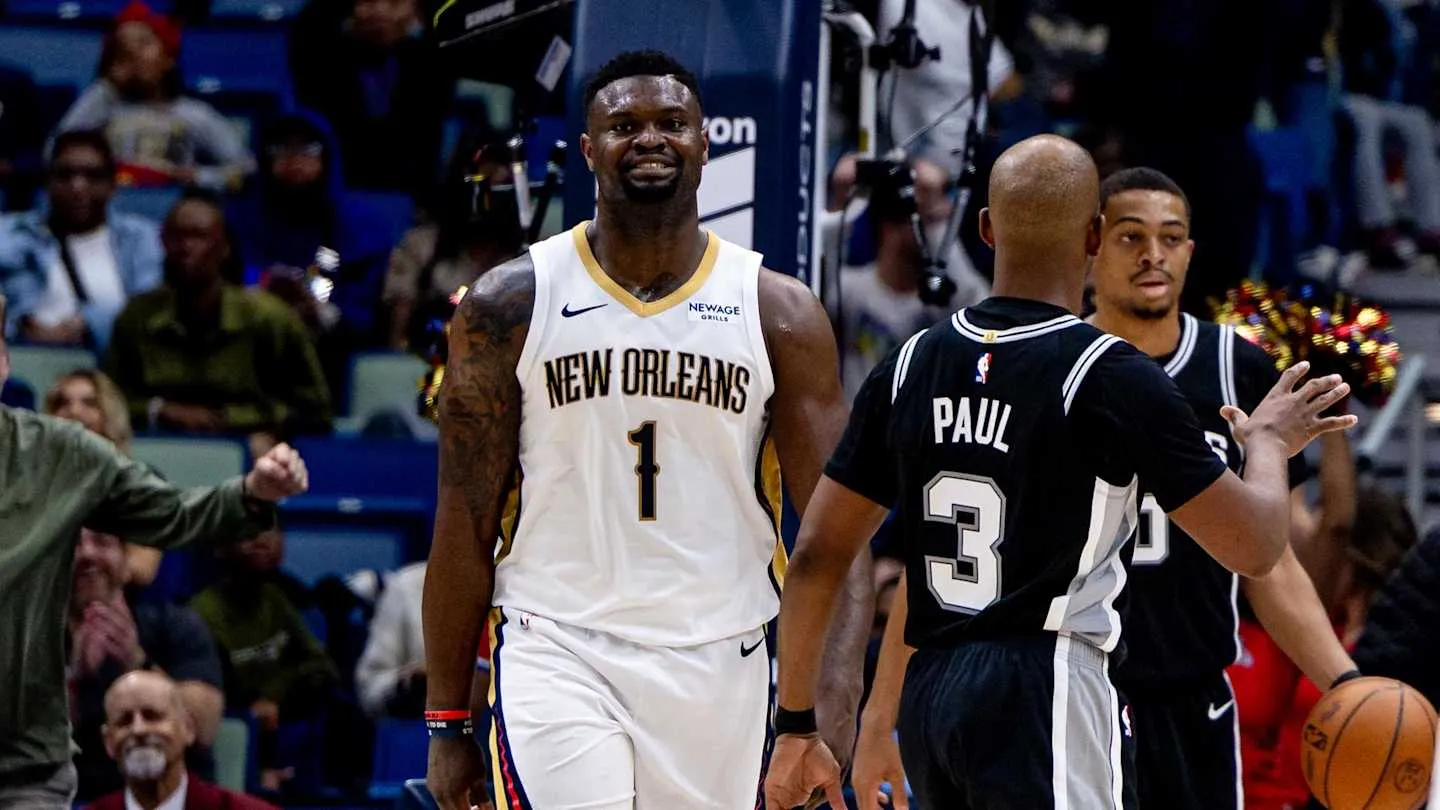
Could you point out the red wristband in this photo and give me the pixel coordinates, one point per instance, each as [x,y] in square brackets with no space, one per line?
[447,714]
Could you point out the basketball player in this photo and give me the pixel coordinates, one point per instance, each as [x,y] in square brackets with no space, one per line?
[618,408]
[1180,631]
[1013,441]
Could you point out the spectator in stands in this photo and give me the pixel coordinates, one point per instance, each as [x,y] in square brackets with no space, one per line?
[69,266]
[111,635]
[1273,699]
[468,234]
[202,356]
[159,135]
[1375,56]
[146,733]
[1399,634]
[382,87]
[54,478]
[300,207]
[22,138]
[390,677]
[87,396]
[275,668]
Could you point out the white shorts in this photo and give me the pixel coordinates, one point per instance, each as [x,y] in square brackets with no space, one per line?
[585,720]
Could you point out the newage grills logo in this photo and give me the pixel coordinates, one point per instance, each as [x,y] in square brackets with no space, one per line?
[715,313]
[727,187]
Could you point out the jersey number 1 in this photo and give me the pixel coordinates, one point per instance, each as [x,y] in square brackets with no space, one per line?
[646,469]
[969,581]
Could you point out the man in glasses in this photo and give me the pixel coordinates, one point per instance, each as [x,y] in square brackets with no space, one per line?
[68,266]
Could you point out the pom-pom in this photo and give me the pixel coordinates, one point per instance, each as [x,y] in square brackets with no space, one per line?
[1336,332]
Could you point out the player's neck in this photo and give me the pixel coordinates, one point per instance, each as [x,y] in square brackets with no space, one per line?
[636,253]
[1155,337]
[1018,283]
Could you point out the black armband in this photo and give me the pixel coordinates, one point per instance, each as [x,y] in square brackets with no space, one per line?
[788,722]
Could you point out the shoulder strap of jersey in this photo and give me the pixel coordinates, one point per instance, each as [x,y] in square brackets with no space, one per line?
[1082,366]
[902,363]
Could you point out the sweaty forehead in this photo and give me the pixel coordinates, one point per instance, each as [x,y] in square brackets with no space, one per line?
[639,94]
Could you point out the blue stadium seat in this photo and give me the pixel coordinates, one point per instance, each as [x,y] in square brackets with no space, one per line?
[213,60]
[152,203]
[53,55]
[264,10]
[314,551]
[401,748]
[398,210]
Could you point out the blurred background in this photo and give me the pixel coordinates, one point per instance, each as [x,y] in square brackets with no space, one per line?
[337,171]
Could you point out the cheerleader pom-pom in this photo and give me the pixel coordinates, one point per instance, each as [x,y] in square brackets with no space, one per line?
[1336,332]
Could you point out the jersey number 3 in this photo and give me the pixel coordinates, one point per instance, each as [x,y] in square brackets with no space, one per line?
[646,469]
[969,581]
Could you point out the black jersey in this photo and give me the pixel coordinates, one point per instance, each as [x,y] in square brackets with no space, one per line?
[1012,440]
[1182,623]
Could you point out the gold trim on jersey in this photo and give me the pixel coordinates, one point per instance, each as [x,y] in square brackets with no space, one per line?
[497,774]
[510,518]
[768,491]
[645,308]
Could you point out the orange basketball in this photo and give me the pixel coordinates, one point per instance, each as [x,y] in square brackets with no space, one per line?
[1369,745]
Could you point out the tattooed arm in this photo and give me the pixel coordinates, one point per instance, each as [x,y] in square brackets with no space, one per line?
[810,411]
[479,452]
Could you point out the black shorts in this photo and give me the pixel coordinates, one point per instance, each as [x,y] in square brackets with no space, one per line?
[1187,745]
[1017,724]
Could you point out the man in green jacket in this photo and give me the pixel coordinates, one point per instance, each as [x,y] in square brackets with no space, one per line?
[56,477]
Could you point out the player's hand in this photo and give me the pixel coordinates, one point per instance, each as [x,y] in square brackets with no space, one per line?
[877,761]
[799,765]
[278,474]
[1293,414]
[456,775]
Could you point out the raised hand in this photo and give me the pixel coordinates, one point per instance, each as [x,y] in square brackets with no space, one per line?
[1294,414]
[278,474]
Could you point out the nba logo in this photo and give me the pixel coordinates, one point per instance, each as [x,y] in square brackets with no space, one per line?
[982,368]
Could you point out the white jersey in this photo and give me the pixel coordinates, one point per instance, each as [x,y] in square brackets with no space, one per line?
[648,500]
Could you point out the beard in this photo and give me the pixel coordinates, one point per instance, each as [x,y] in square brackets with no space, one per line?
[144,762]
[1152,312]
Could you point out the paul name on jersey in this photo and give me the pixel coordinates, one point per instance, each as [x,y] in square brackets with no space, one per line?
[662,373]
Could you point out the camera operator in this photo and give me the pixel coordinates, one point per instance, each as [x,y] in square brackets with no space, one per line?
[912,96]
[880,302]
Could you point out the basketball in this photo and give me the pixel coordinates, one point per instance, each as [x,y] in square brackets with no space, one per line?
[1370,743]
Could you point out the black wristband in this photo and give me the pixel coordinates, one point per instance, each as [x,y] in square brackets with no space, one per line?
[788,722]
[1348,676]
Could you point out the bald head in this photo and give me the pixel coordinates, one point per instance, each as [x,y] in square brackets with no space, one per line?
[1043,214]
[1043,190]
[154,686]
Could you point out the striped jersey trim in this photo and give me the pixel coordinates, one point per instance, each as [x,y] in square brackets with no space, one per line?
[1082,367]
[902,364]
[965,328]
[1189,334]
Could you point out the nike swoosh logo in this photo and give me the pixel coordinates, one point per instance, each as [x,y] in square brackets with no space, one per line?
[745,651]
[567,312]
[1216,713]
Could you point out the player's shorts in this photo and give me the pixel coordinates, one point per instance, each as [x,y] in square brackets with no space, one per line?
[1026,723]
[583,719]
[1187,745]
